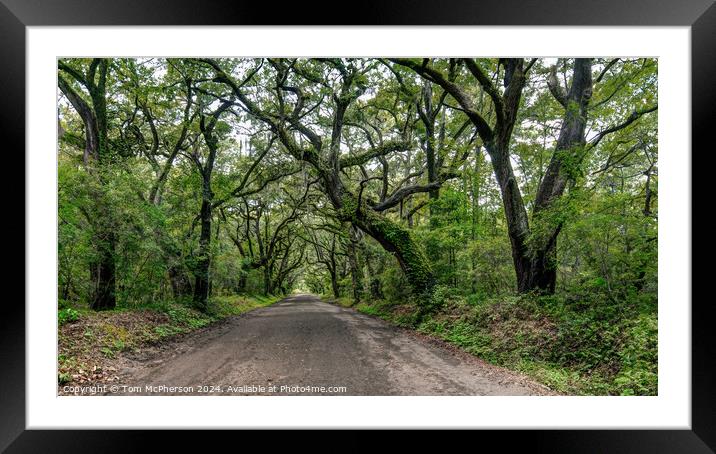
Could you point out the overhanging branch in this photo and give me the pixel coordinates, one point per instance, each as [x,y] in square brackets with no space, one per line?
[375,152]
[631,119]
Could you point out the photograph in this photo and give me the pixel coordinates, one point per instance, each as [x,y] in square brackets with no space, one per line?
[357,226]
[471,218]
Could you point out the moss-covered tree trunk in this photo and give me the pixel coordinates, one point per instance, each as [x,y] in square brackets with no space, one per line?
[395,239]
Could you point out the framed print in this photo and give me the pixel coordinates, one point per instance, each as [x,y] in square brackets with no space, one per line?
[401,217]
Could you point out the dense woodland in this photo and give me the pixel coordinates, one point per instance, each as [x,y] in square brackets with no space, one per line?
[507,205]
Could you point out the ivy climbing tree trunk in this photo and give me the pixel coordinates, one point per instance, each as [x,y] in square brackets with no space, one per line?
[397,240]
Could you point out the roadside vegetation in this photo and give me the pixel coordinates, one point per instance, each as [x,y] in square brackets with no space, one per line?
[89,341]
[573,345]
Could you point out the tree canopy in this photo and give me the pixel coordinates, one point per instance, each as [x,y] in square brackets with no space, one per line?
[183,178]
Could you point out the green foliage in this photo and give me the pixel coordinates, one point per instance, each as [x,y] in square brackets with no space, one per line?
[67,315]
[63,378]
[366,309]
[225,306]
[639,357]
[182,316]
[395,286]
[441,296]
[167,330]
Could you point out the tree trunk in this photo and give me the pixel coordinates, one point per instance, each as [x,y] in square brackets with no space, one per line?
[541,272]
[535,260]
[399,242]
[515,213]
[181,285]
[241,287]
[201,272]
[376,291]
[104,297]
[202,287]
[356,269]
[96,158]
[334,283]
[267,280]
[428,115]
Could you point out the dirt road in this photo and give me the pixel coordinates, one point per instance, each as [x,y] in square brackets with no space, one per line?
[302,346]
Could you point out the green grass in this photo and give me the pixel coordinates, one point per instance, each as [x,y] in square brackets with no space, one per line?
[342,301]
[225,306]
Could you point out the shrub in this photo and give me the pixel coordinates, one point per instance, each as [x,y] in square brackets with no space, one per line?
[67,315]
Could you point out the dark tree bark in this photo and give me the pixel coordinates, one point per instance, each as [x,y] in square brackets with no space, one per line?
[541,272]
[203,263]
[179,279]
[105,273]
[376,290]
[355,265]
[534,258]
[243,280]
[334,284]
[268,287]
[202,267]
[428,114]
[96,156]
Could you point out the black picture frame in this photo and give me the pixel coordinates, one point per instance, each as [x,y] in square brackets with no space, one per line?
[700,15]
